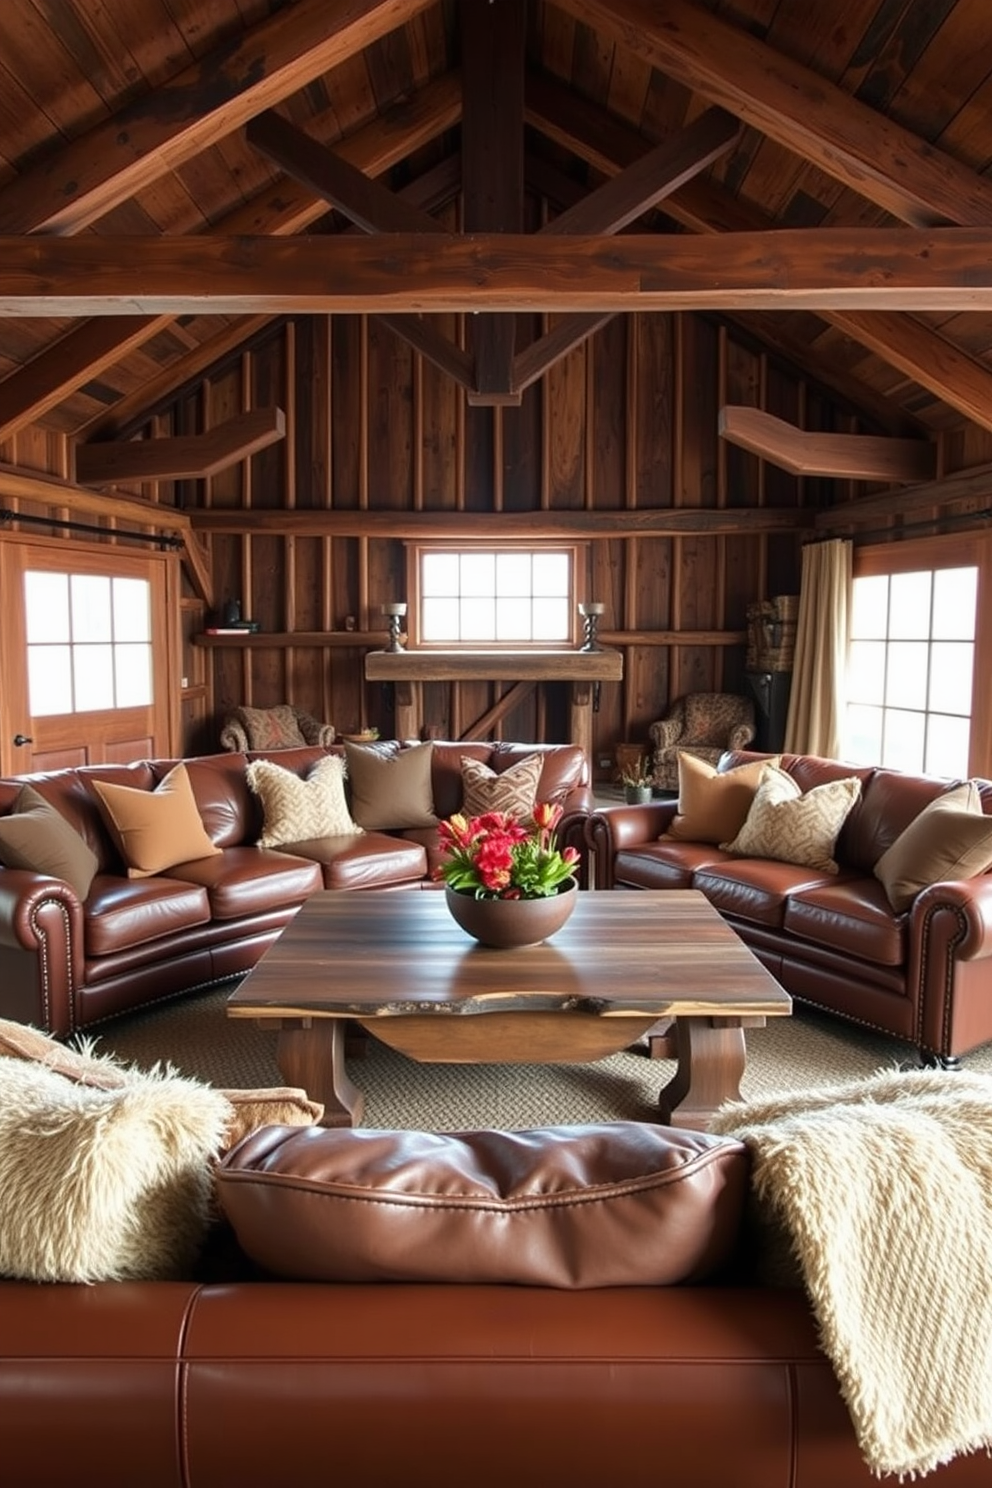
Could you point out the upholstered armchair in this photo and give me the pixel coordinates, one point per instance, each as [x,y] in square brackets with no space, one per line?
[282,727]
[703,724]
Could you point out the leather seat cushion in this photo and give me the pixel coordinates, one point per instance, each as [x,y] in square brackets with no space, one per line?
[616,1204]
[852,917]
[664,864]
[367,860]
[124,912]
[251,880]
[757,889]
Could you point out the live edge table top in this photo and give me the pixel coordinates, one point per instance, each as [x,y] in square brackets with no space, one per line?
[623,954]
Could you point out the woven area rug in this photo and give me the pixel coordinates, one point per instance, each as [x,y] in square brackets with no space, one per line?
[884,1188]
[789,1054]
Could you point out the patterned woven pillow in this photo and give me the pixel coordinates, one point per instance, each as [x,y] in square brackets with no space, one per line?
[793,827]
[514,792]
[298,810]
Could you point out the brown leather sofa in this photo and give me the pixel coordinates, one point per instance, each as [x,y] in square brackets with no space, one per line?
[832,940]
[66,965]
[234,1381]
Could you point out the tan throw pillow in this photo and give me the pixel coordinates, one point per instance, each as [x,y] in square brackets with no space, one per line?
[104,1185]
[712,806]
[794,827]
[623,1203]
[298,810]
[514,792]
[38,838]
[950,839]
[391,788]
[282,1105]
[155,830]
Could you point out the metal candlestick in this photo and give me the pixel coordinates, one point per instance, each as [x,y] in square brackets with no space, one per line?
[590,613]
[395,613]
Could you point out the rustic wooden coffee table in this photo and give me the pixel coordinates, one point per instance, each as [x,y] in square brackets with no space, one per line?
[397,964]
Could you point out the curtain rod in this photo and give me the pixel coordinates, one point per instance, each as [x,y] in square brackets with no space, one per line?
[6,515]
[963,517]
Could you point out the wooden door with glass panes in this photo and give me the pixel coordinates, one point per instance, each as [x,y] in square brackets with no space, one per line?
[86,658]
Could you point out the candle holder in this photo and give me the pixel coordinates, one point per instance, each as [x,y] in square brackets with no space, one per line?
[590,613]
[394,614]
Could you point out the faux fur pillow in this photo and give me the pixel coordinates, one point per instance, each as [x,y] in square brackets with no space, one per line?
[104,1185]
[298,810]
[792,826]
[155,830]
[37,837]
[514,792]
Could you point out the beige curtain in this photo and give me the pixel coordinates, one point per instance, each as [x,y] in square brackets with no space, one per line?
[817,699]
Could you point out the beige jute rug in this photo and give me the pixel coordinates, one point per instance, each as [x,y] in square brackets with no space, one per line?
[789,1054]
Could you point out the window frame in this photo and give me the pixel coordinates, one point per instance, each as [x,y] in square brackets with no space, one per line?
[576,553]
[957,550]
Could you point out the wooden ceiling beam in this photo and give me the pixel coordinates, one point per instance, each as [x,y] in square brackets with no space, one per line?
[915,349]
[531,526]
[89,349]
[493,44]
[809,452]
[216,94]
[811,269]
[806,113]
[186,456]
[972,488]
[47,490]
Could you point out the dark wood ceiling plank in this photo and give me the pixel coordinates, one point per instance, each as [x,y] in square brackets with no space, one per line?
[653,177]
[364,202]
[644,522]
[811,452]
[215,95]
[493,42]
[808,114]
[816,269]
[186,456]
[918,350]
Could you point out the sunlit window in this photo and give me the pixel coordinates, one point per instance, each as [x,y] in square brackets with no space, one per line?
[495,596]
[88,642]
[910,670]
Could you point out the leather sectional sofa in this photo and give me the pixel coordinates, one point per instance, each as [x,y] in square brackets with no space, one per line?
[236,1380]
[67,964]
[923,974]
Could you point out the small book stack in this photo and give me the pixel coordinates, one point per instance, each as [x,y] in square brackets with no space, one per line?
[235,627]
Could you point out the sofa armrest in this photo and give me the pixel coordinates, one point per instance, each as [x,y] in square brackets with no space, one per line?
[666,732]
[233,737]
[41,950]
[969,901]
[613,828]
[741,735]
[576,809]
[315,732]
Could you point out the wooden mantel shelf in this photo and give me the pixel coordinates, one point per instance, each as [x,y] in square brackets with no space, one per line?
[584,670]
[494,666]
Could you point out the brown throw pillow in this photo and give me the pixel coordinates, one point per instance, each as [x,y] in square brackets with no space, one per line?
[625,1203]
[391,788]
[713,806]
[38,838]
[792,826]
[950,839]
[155,830]
[514,792]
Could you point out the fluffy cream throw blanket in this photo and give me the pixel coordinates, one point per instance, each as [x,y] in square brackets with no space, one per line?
[884,1187]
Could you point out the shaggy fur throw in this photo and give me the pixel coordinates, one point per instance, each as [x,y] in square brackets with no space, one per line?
[104,1184]
[884,1187]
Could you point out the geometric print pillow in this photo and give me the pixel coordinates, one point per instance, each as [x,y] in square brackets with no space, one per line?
[514,792]
[793,827]
[297,810]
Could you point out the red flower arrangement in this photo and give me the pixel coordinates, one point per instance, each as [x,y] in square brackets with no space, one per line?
[496,857]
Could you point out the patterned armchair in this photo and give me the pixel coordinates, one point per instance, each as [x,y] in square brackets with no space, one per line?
[282,727]
[704,724]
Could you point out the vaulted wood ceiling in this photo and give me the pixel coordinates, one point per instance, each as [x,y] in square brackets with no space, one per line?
[816,173]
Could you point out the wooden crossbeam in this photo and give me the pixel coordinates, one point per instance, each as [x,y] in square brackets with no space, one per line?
[184,456]
[844,456]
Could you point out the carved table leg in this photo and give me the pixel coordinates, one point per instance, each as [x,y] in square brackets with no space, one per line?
[711,1058]
[310,1054]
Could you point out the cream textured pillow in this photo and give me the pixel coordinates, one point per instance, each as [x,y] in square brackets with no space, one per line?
[713,806]
[155,830]
[104,1185]
[391,788]
[793,826]
[298,810]
[514,792]
[37,837]
[951,838]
